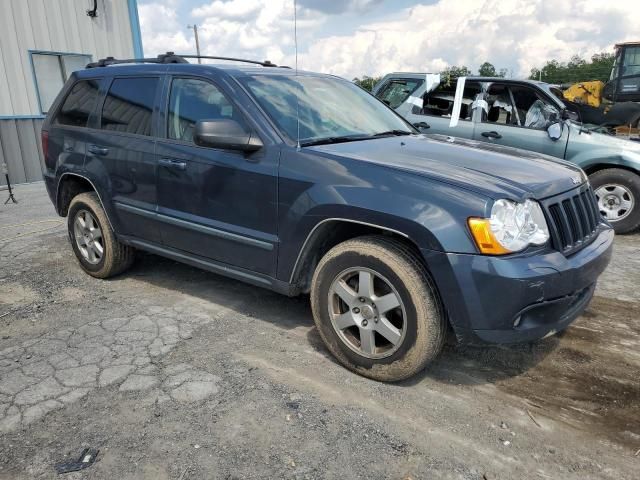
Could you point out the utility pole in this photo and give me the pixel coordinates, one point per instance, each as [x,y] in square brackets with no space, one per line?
[194,27]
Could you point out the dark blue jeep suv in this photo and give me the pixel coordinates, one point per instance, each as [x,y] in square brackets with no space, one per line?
[304,183]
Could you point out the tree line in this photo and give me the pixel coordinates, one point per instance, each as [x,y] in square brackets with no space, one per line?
[575,70]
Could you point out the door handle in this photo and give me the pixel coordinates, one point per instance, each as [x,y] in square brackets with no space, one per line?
[421,125]
[492,134]
[68,148]
[174,164]
[96,150]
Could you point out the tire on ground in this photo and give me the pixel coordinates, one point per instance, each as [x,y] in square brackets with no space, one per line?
[425,323]
[630,180]
[117,257]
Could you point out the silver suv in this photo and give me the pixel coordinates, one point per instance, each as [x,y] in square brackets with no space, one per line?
[525,114]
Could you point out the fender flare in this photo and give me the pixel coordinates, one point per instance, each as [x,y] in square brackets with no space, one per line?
[92,186]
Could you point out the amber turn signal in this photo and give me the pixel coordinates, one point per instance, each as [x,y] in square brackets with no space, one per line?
[485,240]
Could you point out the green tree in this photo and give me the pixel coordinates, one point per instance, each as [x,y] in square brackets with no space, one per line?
[366,82]
[487,70]
[577,69]
[455,71]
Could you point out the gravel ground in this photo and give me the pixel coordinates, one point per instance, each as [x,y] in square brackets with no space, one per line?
[176,373]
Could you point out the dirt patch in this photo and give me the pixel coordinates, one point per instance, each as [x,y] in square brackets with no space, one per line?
[591,381]
[12,294]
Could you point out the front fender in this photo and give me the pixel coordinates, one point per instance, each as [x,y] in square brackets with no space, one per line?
[433,220]
[589,150]
[595,160]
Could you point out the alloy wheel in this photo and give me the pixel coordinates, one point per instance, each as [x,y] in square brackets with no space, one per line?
[88,237]
[367,312]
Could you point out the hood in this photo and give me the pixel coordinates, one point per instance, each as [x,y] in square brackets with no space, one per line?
[601,140]
[591,148]
[491,170]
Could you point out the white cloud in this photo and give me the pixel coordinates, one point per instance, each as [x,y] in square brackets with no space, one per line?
[242,10]
[162,31]
[517,34]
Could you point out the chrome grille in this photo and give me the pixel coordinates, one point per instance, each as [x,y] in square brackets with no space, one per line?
[573,219]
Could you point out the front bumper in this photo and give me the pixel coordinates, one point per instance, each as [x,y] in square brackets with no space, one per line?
[518,298]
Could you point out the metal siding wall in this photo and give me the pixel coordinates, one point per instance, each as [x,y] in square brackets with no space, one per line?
[21,149]
[2,179]
[12,152]
[12,64]
[21,15]
[29,148]
[55,26]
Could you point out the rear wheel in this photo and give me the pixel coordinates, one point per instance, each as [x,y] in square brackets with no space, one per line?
[618,194]
[376,309]
[100,254]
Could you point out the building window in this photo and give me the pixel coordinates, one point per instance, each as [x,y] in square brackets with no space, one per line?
[51,70]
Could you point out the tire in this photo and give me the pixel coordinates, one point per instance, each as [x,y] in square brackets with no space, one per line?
[419,322]
[115,257]
[616,183]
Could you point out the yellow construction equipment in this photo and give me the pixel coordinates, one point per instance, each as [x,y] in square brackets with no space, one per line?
[585,93]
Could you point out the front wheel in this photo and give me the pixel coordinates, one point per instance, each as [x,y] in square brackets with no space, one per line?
[376,308]
[618,194]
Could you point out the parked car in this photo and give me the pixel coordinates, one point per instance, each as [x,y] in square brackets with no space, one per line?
[304,183]
[529,115]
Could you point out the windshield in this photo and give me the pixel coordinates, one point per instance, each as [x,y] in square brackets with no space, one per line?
[330,109]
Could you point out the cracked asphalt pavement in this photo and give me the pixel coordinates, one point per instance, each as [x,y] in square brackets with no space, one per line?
[176,373]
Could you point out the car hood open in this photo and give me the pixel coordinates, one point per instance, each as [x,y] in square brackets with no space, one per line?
[492,170]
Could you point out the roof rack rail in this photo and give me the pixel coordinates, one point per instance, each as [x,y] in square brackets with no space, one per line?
[168,57]
[266,63]
[171,57]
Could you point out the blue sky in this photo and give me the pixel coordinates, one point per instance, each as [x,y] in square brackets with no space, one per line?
[372,37]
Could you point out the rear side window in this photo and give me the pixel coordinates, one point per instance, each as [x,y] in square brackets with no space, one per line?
[128,106]
[396,91]
[439,102]
[78,105]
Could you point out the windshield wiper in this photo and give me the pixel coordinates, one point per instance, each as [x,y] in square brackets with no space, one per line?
[390,133]
[329,140]
[351,138]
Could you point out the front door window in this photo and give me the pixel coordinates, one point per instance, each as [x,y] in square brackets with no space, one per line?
[518,106]
[192,100]
[533,110]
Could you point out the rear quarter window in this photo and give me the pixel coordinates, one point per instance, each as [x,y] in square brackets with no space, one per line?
[78,104]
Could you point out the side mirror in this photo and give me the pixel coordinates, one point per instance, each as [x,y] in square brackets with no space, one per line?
[227,134]
[555,131]
[422,125]
[570,115]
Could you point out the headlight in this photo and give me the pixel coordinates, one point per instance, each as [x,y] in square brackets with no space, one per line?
[511,228]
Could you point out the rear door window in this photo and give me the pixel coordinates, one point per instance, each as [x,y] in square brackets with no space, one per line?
[78,105]
[501,109]
[439,102]
[128,106]
[396,91]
